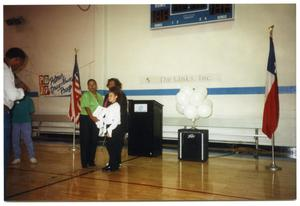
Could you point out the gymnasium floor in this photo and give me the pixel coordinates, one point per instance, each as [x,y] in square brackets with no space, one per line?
[58,177]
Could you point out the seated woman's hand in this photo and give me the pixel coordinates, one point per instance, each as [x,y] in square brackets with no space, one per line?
[95,119]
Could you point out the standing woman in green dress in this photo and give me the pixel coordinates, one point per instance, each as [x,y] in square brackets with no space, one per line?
[90,100]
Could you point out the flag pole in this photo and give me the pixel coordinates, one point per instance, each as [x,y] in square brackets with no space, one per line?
[74,136]
[271,30]
[273,167]
[74,127]
[76,51]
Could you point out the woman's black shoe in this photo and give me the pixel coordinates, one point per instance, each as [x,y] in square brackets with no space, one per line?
[106,168]
[113,169]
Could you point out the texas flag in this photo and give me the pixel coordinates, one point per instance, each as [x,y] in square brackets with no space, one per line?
[271,109]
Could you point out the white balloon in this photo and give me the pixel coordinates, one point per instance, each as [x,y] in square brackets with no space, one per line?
[180,108]
[208,102]
[204,110]
[190,112]
[187,90]
[182,98]
[197,98]
[202,90]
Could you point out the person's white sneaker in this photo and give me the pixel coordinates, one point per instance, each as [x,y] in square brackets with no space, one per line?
[16,161]
[33,160]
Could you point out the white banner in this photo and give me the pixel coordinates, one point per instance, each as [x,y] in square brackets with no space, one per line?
[58,84]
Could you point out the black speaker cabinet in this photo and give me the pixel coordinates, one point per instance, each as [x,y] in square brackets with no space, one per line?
[193,144]
[145,128]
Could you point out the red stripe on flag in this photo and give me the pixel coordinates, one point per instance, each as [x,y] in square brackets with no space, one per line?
[271,111]
[74,109]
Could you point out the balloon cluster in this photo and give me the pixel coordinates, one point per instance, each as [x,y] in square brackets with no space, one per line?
[193,104]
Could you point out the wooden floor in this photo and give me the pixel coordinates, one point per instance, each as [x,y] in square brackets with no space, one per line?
[58,177]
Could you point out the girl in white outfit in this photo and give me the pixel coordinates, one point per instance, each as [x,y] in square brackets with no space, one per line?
[110,125]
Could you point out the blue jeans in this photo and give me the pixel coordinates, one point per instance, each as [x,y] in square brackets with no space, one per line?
[22,130]
[7,125]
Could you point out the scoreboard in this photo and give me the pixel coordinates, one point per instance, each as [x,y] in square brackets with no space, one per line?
[171,15]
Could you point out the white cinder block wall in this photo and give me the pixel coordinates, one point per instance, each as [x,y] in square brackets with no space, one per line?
[116,41]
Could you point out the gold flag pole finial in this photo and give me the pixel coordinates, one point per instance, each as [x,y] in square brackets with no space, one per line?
[76,51]
[271,30]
